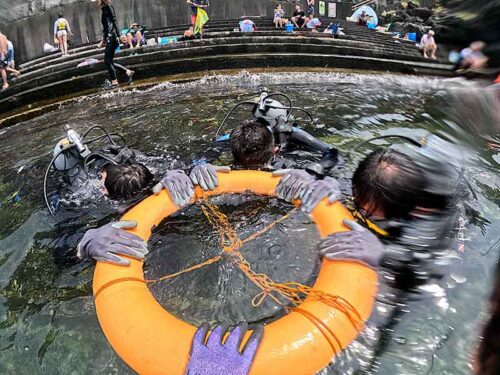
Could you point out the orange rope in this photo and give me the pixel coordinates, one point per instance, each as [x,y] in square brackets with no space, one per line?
[322,327]
[195,267]
[292,292]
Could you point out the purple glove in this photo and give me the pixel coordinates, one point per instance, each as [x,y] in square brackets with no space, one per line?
[106,243]
[206,175]
[292,183]
[316,190]
[358,245]
[216,358]
[179,187]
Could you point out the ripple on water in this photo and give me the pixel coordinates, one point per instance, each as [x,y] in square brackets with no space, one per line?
[47,318]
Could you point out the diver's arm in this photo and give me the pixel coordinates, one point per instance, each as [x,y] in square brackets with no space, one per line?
[357,245]
[103,39]
[330,154]
[303,138]
[113,18]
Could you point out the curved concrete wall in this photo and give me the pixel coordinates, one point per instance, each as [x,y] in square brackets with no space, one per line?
[29,24]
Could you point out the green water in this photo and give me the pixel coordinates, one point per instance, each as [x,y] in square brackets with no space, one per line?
[47,316]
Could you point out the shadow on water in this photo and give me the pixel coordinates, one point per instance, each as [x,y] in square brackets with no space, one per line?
[47,315]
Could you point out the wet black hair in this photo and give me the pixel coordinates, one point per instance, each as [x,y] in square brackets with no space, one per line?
[388,181]
[252,143]
[126,180]
[60,15]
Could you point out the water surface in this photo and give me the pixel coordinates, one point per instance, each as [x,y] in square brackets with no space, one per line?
[47,316]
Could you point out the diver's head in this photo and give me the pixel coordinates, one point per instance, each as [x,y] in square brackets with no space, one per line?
[125,180]
[252,143]
[388,184]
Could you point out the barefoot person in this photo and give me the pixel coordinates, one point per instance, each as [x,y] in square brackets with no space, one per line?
[3,60]
[428,45]
[11,64]
[110,40]
[61,31]
[278,20]
[299,17]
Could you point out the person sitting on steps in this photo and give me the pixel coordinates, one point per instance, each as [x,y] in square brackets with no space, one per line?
[299,17]
[278,20]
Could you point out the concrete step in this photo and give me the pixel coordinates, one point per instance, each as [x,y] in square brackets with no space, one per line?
[214,26]
[229,37]
[205,48]
[367,38]
[278,44]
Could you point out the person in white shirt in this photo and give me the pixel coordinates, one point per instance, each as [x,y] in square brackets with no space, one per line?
[428,45]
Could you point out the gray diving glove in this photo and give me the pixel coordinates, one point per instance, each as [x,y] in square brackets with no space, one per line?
[179,187]
[106,243]
[358,245]
[315,191]
[205,175]
[292,183]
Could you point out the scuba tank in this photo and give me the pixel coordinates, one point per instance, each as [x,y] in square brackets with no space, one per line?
[69,151]
[271,110]
[72,154]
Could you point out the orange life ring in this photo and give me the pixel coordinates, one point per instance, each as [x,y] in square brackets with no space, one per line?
[152,341]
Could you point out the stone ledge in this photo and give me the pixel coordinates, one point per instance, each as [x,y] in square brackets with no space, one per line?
[23,99]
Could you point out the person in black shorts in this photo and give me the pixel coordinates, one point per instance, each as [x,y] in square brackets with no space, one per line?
[299,17]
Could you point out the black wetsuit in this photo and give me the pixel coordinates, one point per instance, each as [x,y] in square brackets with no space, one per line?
[110,36]
[74,178]
[286,135]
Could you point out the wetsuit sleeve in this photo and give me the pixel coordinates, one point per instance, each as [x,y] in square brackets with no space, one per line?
[329,153]
[113,19]
[103,16]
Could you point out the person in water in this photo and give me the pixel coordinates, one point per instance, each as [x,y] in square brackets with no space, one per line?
[120,175]
[253,146]
[110,41]
[407,200]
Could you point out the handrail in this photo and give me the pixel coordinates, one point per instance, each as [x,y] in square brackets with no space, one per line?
[364,2]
